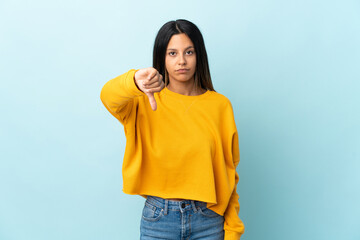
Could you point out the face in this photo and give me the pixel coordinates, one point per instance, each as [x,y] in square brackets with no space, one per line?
[180,54]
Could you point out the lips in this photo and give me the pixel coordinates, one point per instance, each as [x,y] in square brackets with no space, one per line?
[183,70]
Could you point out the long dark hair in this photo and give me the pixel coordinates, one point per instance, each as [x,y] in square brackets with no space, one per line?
[202,72]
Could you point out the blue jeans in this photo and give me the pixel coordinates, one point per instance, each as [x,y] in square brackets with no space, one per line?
[179,220]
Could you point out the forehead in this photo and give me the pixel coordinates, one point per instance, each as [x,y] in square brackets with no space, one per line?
[180,41]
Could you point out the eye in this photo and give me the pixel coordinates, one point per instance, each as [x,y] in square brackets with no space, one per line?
[170,53]
[191,52]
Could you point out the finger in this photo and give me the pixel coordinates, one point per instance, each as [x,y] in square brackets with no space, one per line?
[158,89]
[152,85]
[153,73]
[162,85]
[154,79]
[152,100]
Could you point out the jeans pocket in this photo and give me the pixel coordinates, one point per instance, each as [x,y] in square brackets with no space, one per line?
[151,212]
[208,212]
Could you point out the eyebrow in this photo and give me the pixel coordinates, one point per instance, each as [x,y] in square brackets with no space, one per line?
[176,49]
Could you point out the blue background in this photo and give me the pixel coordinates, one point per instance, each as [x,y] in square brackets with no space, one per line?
[290,69]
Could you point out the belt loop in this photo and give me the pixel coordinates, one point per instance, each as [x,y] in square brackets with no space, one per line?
[193,205]
[166,206]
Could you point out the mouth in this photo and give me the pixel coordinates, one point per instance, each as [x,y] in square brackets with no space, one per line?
[182,70]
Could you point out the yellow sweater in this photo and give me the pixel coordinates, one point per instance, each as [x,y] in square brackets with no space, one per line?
[188,148]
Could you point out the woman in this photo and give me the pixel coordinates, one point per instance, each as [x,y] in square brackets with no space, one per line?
[181,141]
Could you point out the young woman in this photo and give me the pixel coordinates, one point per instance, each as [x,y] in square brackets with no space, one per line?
[181,141]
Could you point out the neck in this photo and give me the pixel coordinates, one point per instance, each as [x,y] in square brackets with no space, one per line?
[187,88]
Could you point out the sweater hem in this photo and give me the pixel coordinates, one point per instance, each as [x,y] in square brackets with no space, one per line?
[231,235]
[162,195]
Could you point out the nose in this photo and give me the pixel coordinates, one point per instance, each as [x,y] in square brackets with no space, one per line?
[182,60]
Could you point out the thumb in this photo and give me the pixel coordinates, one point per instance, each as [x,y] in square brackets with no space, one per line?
[152,100]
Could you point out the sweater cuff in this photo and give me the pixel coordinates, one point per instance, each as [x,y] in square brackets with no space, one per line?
[230,235]
[134,90]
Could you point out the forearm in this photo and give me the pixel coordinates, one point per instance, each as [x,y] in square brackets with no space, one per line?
[117,94]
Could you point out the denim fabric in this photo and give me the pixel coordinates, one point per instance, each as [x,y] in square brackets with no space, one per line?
[179,220]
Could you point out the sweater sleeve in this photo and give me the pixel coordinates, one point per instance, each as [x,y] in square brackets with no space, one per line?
[233,225]
[118,95]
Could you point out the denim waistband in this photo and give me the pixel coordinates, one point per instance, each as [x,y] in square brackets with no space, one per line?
[174,205]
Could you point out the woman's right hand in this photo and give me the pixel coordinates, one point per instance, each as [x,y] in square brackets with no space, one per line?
[149,80]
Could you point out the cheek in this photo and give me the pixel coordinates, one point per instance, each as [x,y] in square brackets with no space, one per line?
[168,64]
[194,63]
[193,60]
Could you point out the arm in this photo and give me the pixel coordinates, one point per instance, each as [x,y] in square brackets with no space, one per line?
[233,225]
[118,95]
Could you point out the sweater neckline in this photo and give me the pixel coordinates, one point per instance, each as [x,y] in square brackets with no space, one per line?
[185,97]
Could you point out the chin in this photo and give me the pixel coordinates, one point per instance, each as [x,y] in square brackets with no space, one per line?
[182,77]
